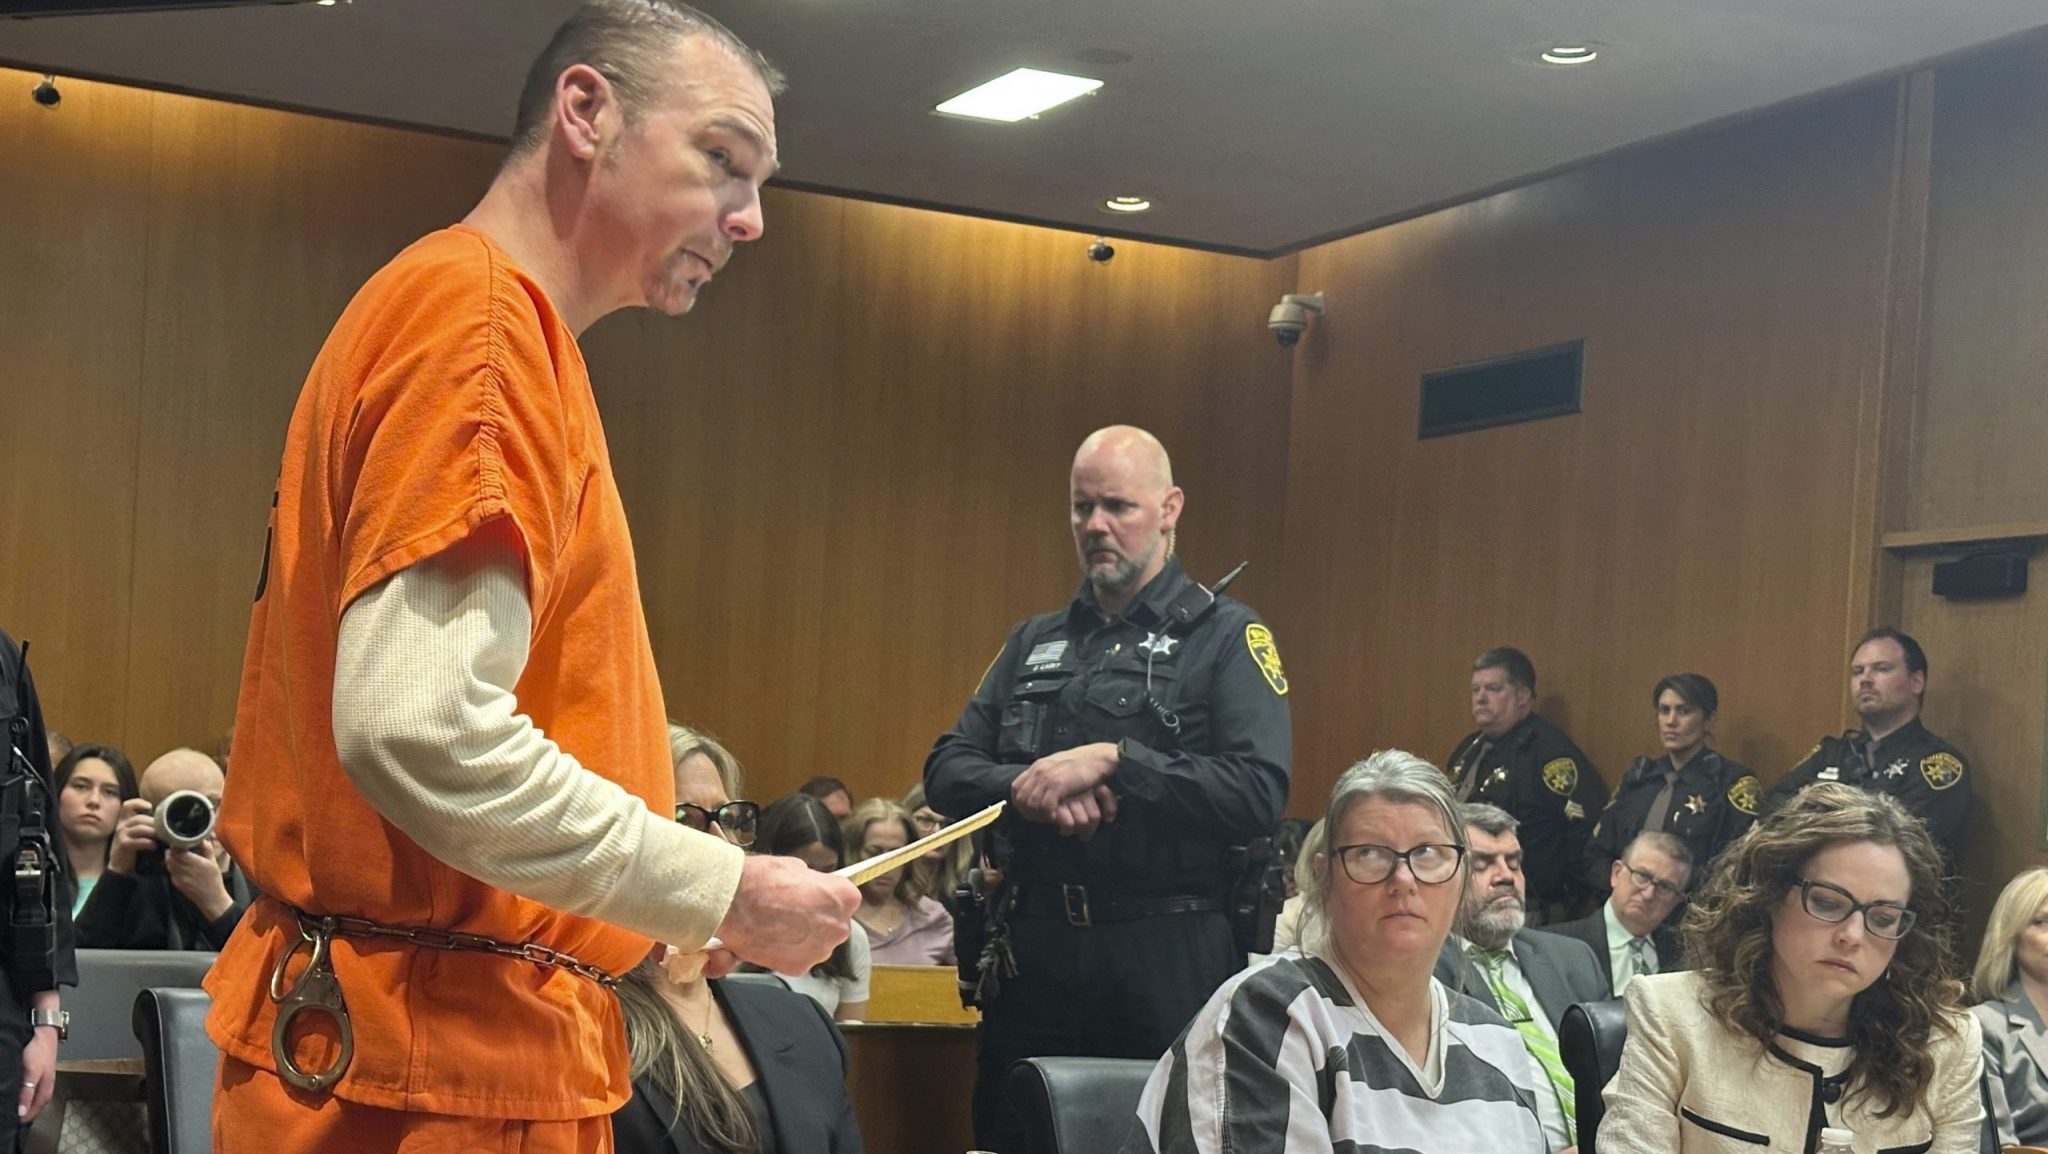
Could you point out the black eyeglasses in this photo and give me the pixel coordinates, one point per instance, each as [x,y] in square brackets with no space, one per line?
[1832,903]
[1430,864]
[1650,881]
[736,818]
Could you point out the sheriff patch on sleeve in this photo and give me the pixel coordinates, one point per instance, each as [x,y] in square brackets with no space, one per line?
[1259,640]
[1745,793]
[1561,775]
[1941,770]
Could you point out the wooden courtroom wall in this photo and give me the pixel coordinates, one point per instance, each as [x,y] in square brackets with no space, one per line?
[1698,514]
[846,472]
[1974,456]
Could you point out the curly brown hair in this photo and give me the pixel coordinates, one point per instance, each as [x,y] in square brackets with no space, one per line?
[1728,939]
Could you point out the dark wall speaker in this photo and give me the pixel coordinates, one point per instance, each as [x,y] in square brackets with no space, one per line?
[1984,575]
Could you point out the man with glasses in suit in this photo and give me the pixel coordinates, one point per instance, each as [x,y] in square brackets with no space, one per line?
[1629,929]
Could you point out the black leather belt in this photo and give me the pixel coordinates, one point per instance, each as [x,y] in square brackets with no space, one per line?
[1082,906]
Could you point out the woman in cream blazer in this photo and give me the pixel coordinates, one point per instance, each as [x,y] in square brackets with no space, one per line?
[1821,998]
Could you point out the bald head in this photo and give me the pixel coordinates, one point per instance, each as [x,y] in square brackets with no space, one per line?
[1124,509]
[1129,449]
[182,769]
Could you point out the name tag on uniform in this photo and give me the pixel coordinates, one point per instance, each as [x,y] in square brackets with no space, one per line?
[1046,655]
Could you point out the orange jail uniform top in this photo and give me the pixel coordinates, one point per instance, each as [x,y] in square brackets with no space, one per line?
[450,394]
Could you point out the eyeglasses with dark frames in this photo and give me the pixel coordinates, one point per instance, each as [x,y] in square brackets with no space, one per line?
[736,818]
[1649,881]
[1833,904]
[1431,863]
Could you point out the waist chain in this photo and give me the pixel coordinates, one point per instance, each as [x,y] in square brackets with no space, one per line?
[316,990]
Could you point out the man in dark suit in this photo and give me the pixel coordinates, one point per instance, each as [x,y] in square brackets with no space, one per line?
[1629,931]
[1529,976]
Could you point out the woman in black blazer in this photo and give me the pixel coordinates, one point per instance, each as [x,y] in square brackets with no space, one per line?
[734,1066]
[796,1102]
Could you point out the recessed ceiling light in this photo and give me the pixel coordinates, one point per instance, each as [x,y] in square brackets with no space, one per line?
[1016,95]
[1126,204]
[1570,54]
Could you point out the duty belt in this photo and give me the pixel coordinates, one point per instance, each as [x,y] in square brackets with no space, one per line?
[317,990]
[1085,906]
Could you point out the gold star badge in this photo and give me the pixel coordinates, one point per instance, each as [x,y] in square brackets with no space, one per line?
[1695,804]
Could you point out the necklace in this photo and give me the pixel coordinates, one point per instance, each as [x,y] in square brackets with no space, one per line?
[710,1008]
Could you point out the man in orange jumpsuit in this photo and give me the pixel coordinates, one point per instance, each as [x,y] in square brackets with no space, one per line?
[451,765]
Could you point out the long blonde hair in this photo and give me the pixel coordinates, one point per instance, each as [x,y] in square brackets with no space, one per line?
[666,1053]
[2017,904]
[938,880]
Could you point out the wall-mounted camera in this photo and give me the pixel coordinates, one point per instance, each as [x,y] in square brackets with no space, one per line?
[1101,251]
[46,93]
[1289,319]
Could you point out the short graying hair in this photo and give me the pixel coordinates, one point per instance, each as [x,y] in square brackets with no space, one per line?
[1393,775]
[1670,845]
[1491,820]
[628,42]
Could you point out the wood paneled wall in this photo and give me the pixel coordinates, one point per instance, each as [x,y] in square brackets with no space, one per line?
[846,472]
[1697,515]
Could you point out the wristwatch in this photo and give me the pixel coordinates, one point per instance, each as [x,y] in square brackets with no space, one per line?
[58,1020]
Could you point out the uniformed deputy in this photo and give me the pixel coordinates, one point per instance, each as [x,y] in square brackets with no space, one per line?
[35,938]
[1528,767]
[1690,792]
[1893,753]
[1139,734]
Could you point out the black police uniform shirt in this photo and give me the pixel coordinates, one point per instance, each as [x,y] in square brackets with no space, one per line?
[22,711]
[1199,707]
[1540,776]
[1713,802]
[1927,775]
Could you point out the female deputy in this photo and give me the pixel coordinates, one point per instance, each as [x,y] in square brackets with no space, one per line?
[1821,998]
[2011,978]
[1352,1044]
[726,1067]
[1688,791]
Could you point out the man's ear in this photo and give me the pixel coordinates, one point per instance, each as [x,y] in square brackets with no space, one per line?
[1170,506]
[584,103]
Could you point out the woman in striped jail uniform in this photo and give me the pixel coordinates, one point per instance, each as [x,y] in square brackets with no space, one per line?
[1352,1043]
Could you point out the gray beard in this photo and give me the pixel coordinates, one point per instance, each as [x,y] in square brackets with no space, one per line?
[1493,929]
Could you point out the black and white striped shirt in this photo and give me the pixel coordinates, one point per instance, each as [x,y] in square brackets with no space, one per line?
[1287,1059]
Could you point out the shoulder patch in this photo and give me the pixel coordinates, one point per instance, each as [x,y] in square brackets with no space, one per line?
[1561,774]
[1941,770]
[1259,640]
[1745,793]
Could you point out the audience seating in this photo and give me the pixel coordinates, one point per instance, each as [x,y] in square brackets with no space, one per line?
[1077,1105]
[108,983]
[1589,1040]
[179,1062]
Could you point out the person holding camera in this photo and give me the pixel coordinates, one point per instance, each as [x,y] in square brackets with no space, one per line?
[168,884]
[1140,736]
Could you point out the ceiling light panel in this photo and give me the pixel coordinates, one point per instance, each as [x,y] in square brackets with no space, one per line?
[1016,95]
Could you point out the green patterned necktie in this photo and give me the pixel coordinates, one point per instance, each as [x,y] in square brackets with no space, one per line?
[1536,1035]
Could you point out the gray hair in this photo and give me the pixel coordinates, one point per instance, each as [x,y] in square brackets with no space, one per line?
[1393,775]
[1491,820]
[684,742]
[1670,845]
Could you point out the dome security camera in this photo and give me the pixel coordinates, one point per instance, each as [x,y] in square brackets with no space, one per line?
[46,93]
[1289,319]
[1100,251]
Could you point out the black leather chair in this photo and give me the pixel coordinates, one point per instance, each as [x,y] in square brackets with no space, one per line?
[179,1063]
[1590,1040]
[108,982]
[1077,1105]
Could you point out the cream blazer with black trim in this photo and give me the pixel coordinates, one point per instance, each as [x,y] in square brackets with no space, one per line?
[1689,1085]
